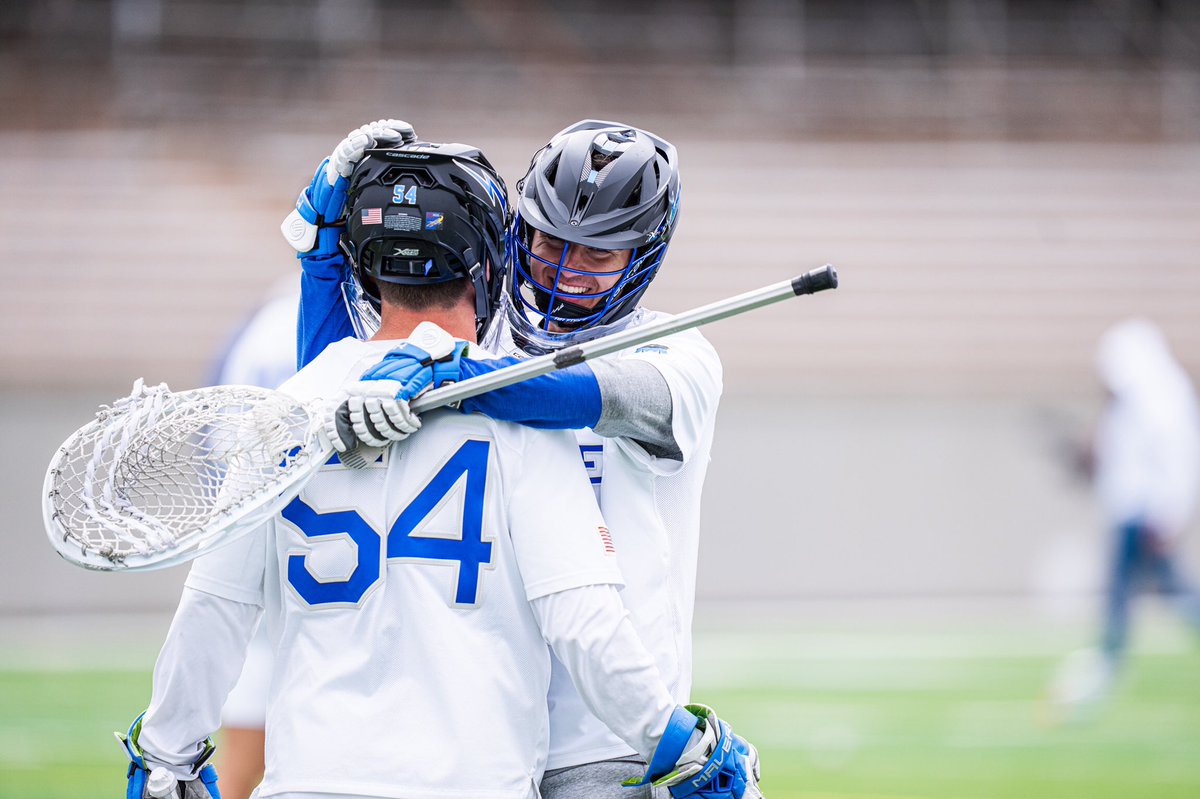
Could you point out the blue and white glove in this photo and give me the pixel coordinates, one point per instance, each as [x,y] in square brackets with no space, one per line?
[699,755]
[149,779]
[376,410]
[314,225]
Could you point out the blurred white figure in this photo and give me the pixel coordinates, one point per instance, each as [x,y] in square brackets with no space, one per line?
[262,353]
[1145,467]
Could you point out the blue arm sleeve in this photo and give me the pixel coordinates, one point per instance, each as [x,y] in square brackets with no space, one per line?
[323,318]
[568,399]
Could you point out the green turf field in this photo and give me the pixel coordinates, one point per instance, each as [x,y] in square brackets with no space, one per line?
[865,715]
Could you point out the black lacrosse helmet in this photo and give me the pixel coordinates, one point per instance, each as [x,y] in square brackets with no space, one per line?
[425,213]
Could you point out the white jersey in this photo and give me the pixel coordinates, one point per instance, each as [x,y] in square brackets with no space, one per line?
[652,508]
[262,354]
[1148,443]
[409,662]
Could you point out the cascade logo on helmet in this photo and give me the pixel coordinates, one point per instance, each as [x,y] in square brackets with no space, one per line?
[594,215]
[405,155]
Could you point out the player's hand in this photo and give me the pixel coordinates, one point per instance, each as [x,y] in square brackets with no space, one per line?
[314,225]
[148,780]
[338,429]
[370,414]
[428,358]
[376,410]
[719,765]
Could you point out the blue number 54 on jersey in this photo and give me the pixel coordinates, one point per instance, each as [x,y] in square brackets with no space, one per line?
[469,551]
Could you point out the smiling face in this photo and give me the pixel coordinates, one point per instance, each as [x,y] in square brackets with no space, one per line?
[586,270]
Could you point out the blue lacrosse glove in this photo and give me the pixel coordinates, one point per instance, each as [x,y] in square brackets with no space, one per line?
[315,224]
[375,410]
[719,765]
[151,781]
[415,370]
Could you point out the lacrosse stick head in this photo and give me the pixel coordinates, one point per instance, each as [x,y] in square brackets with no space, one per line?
[159,476]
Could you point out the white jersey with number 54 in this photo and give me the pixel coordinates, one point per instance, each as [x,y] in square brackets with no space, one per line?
[408,661]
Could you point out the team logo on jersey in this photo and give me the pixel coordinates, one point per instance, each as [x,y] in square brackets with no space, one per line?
[659,348]
[434,220]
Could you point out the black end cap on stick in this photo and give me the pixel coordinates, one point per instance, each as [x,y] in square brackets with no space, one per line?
[816,280]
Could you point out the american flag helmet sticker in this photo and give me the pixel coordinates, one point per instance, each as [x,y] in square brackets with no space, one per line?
[372,216]
[606,539]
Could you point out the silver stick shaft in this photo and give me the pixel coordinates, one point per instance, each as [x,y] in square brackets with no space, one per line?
[809,283]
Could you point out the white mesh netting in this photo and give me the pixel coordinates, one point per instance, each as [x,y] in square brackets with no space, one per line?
[158,470]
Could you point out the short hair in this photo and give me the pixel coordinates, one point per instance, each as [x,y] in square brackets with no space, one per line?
[425,296]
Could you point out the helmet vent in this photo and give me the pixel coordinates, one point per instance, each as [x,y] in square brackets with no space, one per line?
[396,174]
[551,168]
[601,163]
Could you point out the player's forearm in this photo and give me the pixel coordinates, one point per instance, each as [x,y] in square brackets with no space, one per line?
[197,667]
[616,398]
[568,399]
[323,318]
[589,630]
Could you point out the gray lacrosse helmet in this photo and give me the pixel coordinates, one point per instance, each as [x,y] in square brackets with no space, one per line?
[602,185]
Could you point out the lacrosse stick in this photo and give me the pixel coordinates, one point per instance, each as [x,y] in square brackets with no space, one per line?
[160,477]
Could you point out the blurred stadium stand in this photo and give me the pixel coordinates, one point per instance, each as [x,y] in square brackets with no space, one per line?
[996,180]
[155,142]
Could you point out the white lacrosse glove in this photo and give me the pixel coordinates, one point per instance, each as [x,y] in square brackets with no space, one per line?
[337,427]
[378,416]
[312,228]
[376,410]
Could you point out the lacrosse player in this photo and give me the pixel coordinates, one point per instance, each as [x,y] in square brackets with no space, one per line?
[410,601]
[594,216]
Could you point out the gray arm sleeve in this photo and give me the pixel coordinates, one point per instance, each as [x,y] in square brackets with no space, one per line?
[635,403]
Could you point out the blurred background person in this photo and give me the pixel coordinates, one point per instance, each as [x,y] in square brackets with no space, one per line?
[1145,466]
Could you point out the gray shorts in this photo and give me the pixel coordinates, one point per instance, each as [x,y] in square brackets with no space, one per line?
[599,781]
